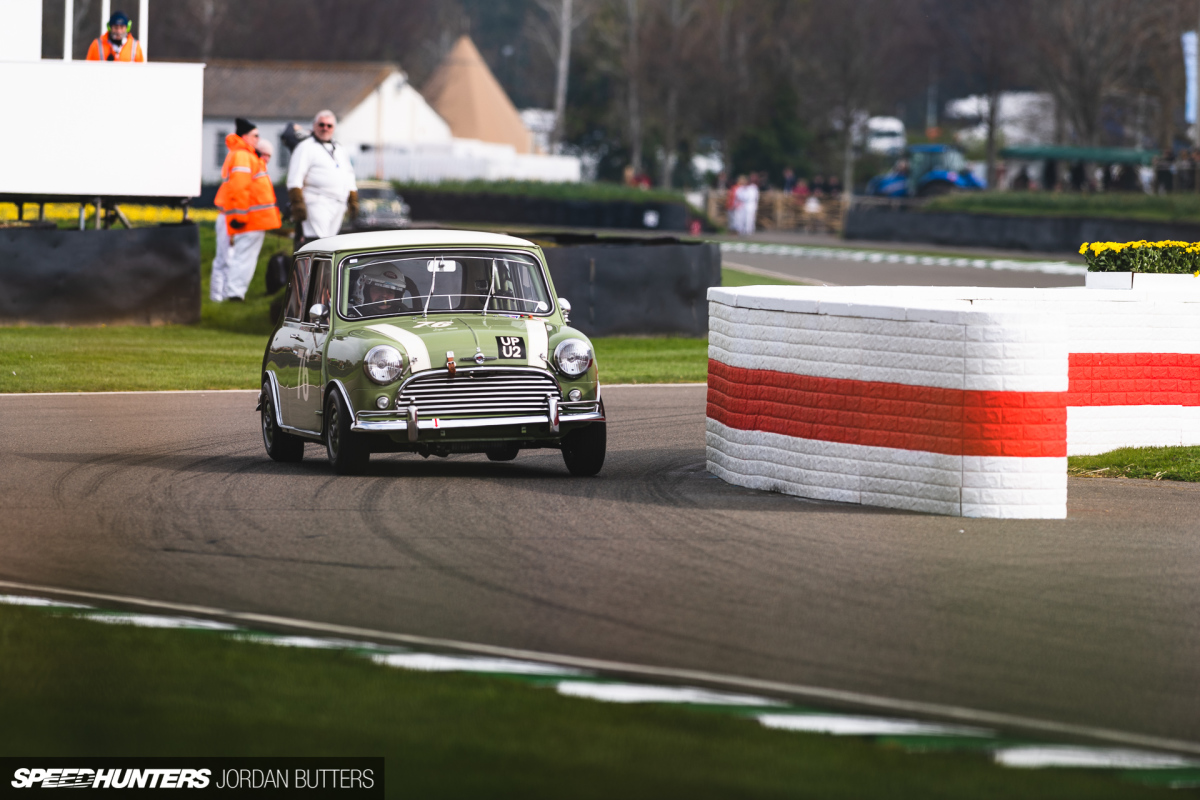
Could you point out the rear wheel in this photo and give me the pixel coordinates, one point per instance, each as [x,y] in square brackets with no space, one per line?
[347,451]
[281,446]
[583,449]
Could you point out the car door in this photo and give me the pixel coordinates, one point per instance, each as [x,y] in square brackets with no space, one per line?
[307,406]
[288,340]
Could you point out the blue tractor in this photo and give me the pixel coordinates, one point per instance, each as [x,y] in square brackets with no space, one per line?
[925,170]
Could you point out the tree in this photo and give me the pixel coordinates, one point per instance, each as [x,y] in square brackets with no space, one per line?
[987,36]
[564,16]
[1086,49]
[849,45]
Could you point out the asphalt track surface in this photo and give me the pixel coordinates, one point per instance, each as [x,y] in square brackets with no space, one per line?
[1093,620]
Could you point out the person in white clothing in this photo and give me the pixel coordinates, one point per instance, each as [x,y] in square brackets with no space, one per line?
[320,182]
[747,196]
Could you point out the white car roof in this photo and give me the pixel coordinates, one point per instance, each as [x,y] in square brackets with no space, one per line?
[412,238]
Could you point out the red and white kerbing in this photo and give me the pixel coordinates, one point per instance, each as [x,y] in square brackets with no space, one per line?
[960,401]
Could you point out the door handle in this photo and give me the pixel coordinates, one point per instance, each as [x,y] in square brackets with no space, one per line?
[297,337]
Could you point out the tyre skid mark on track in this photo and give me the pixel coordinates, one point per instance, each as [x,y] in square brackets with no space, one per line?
[382,530]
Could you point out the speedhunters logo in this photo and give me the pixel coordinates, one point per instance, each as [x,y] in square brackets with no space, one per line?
[358,776]
[84,778]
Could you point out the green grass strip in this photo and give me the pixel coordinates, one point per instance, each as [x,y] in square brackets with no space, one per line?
[69,687]
[1155,463]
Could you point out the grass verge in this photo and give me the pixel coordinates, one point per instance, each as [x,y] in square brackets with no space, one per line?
[70,687]
[1167,207]
[735,277]
[225,350]
[1154,463]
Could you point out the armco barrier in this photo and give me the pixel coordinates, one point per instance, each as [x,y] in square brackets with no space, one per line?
[143,276]
[948,400]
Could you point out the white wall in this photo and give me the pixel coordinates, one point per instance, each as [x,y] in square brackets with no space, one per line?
[393,114]
[106,129]
[468,159]
[23,21]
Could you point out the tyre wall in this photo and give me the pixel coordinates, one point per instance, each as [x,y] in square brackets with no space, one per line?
[143,276]
[951,401]
[632,287]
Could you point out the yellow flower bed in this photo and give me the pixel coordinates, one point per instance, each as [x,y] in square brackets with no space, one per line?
[138,215]
[1176,258]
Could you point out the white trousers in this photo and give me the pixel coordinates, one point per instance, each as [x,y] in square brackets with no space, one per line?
[233,268]
[324,215]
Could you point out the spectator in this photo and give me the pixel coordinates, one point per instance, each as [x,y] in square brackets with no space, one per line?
[789,180]
[320,182]
[835,186]
[801,190]
[116,44]
[731,207]
[747,200]
[247,203]
[819,187]
[1021,181]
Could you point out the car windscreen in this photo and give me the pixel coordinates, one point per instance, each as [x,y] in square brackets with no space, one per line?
[474,282]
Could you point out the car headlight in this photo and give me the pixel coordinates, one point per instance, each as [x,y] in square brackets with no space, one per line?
[383,364]
[573,357]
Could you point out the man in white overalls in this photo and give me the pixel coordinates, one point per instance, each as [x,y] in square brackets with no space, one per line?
[320,181]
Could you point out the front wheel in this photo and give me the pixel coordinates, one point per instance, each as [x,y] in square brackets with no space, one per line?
[281,446]
[347,451]
[583,449]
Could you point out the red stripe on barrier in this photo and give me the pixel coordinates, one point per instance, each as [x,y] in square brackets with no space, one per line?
[1133,379]
[875,414]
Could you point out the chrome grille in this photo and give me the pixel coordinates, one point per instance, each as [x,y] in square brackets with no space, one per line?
[479,392]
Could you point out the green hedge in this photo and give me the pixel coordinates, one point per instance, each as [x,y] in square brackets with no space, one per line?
[1172,258]
[554,191]
[1178,207]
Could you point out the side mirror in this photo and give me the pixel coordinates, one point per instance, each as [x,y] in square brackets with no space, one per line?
[566,309]
[318,313]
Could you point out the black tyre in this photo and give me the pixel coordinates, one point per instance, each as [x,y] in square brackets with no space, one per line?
[506,453]
[281,446]
[347,451]
[583,449]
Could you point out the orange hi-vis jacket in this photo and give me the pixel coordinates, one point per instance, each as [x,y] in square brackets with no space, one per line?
[102,50]
[247,194]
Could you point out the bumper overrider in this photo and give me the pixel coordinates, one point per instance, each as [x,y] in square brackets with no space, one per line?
[411,418]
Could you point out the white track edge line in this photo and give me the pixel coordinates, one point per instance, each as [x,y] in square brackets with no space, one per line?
[936,710]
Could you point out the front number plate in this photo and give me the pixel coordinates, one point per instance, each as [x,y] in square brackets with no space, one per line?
[511,347]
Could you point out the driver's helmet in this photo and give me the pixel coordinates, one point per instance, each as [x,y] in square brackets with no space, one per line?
[389,281]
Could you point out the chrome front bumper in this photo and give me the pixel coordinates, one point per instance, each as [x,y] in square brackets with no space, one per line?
[396,421]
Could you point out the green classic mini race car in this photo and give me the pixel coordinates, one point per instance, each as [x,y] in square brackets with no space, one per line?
[430,342]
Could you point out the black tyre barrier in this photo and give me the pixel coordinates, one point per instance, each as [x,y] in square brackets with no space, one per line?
[1045,234]
[143,276]
[521,210]
[633,287]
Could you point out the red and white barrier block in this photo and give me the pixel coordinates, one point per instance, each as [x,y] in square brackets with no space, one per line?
[938,407]
[948,400]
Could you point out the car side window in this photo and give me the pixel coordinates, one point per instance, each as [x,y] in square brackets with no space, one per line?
[321,286]
[297,290]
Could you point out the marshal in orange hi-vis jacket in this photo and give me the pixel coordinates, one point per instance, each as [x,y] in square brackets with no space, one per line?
[247,196]
[102,50]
